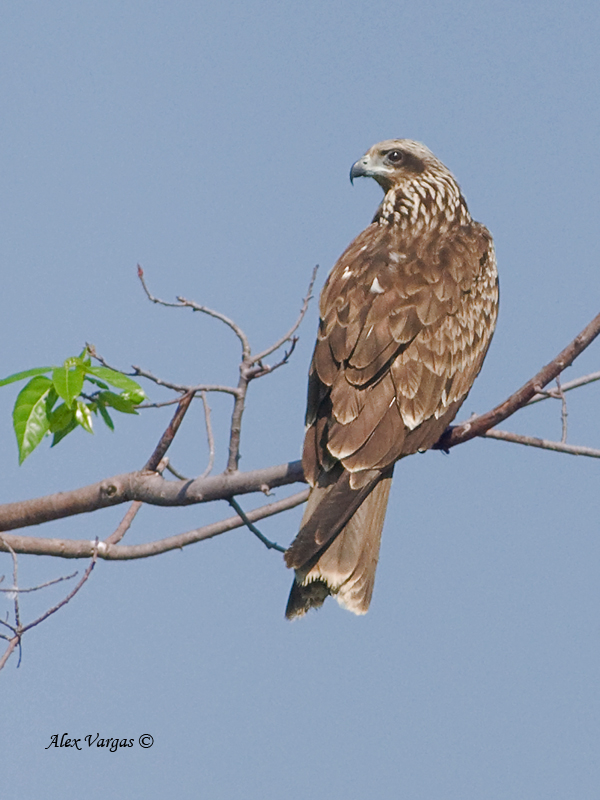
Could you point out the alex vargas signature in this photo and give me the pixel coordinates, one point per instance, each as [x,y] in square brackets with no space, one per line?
[145,740]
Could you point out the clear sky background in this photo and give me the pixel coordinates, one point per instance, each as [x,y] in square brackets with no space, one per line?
[211,142]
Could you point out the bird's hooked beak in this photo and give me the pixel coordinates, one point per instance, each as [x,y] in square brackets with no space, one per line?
[360,169]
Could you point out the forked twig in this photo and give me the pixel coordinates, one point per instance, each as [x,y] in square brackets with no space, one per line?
[18,629]
[289,335]
[566,387]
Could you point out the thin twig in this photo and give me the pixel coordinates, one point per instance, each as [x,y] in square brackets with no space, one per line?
[138,372]
[566,387]
[183,303]
[209,436]
[544,444]
[288,336]
[18,630]
[222,318]
[140,274]
[14,642]
[158,405]
[178,387]
[101,360]
[69,597]
[177,474]
[267,542]
[131,512]
[260,369]
[41,586]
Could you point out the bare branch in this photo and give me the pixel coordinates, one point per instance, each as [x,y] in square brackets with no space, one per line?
[261,369]
[544,444]
[170,468]
[41,585]
[147,488]
[131,512]
[457,434]
[156,463]
[153,489]
[567,387]
[235,428]
[178,387]
[183,303]
[222,318]
[167,438]
[288,336]
[13,643]
[70,596]
[138,372]
[140,274]
[82,548]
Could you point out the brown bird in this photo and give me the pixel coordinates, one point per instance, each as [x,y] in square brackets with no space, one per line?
[406,317]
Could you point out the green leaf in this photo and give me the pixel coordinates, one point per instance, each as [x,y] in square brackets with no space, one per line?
[29,373]
[136,397]
[83,416]
[50,401]
[115,379]
[60,418]
[96,382]
[68,381]
[59,435]
[30,418]
[117,401]
[106,416]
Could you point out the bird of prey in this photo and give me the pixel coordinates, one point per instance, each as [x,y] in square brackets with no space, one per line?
[406,318]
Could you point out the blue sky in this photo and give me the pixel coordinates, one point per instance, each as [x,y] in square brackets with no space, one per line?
[211,143]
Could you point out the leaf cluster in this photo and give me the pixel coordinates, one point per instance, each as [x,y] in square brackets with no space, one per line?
[54,401]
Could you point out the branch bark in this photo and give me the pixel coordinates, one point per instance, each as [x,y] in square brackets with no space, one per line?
[82,548]
[147,487]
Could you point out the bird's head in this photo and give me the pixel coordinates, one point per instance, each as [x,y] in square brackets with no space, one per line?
[395,162]
[419,190]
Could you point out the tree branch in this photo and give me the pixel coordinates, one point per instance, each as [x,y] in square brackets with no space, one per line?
[477,426]
[147,488]
[82,548]
[566,387]
[289,335]
[544,444]
[183,303]
[155,490]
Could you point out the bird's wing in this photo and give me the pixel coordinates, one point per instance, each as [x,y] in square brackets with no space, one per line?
[403,333]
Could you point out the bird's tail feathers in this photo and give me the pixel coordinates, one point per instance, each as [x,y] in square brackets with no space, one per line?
[344,567]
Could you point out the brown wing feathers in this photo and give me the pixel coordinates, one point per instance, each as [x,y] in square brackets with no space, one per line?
[406,318]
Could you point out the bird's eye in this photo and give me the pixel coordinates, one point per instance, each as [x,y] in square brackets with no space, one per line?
[395,156]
